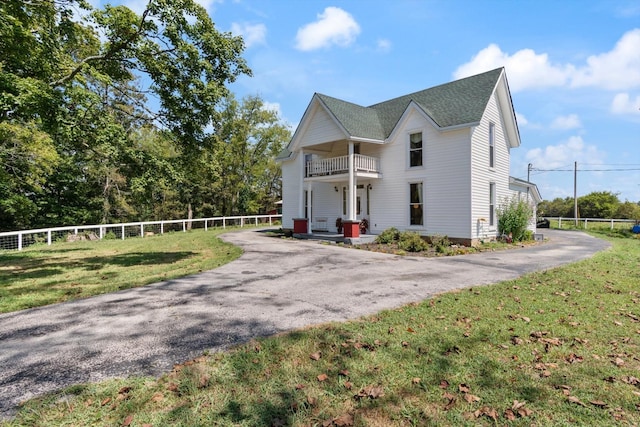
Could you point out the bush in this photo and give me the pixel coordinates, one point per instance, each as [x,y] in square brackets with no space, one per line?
[441,244]
[513,217]
[412,242]
[390,235]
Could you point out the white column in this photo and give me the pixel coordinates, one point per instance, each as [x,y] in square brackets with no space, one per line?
[309,207]
[351,191]
[301,195]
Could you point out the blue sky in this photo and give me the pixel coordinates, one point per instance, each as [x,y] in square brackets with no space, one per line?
[573,68]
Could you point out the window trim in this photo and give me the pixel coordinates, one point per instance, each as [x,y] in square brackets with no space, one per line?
[421,203]
[492,204]
[410,150]
[492,145]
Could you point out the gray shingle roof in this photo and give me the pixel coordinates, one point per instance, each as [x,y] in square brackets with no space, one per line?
[456,103]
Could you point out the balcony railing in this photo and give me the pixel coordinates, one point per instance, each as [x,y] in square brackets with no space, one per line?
[340,165]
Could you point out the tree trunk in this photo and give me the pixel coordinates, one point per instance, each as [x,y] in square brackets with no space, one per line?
[189,216]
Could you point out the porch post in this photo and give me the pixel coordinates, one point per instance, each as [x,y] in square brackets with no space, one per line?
[351,187]
[301,195]
[309,207]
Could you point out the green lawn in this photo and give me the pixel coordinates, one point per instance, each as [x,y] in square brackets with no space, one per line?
[553,348]
[41,275]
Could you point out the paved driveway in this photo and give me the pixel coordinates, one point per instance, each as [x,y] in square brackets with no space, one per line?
[276,285]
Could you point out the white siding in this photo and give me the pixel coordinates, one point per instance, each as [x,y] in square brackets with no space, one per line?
[321,128]
[482,175]
[445,176]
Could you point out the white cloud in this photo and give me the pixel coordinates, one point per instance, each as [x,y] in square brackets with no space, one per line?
[623,104]
[526,69]
[566,122]
[333,27]
[272,106]
[252,34]
[565,154]
[384,45]
[616,69]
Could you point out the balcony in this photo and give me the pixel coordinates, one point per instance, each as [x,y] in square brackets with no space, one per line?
[363,166]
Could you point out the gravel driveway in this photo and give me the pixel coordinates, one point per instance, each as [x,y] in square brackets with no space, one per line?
[276,285]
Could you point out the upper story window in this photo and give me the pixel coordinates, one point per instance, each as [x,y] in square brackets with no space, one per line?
[492,145]
[415,149]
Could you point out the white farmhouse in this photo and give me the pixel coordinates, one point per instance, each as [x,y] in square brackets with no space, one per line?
[435,162]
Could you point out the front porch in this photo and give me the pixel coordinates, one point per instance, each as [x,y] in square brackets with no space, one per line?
[363,166]
[328,236]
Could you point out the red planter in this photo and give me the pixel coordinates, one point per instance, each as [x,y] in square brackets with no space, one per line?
[300,225]
[351,228]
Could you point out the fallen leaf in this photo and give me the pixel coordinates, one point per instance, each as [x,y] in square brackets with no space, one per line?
[410,330]
[322,377]
[444,384]
[517,405]
[415,380]
[526,319]
[391,330]
[509,415]
[348,385]
[344,420]
[127,421]
[299,386]
[105,401]
[545,374]
[575,400]
[124,390]
[464,388]
[524,412]
[573,358]
[315,356]
[515,340]
[618,323]
[344,373]
[485,410]
[470,398]
[598,403]
[618,362]
[157,397]
[371,392]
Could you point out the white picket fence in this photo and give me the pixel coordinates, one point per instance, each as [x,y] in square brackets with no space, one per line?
[17,240]
[584,222]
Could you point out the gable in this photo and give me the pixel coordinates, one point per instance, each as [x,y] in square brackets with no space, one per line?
[321,127]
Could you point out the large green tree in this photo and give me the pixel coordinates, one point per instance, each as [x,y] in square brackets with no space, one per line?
[76,92]
[248,140]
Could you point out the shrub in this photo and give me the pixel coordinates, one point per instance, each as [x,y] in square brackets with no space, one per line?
[110,236]
[411,242]
[441,244]
[389,235]
[513,217]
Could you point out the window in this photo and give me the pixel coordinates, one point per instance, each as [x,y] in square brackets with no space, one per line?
[415,149]
[344,200]
[492,204]
[492,147]
[356,148]
[416,204]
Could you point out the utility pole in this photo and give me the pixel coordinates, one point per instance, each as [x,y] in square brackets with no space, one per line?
[575,193]
[529,172]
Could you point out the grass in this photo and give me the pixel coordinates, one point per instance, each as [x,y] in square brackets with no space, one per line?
[552,348]
[41,275]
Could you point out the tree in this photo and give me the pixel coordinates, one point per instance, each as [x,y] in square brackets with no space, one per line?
[247,142]
[81,84]
[598,204]
[557,207]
